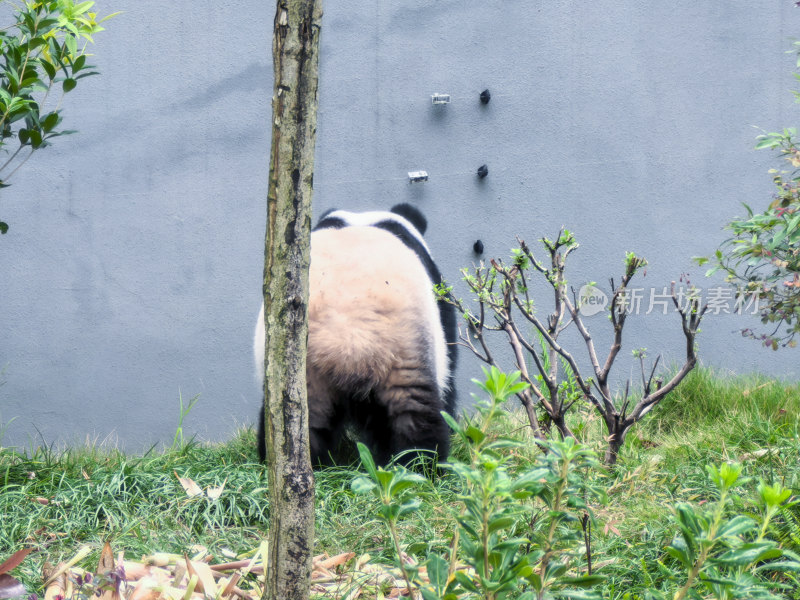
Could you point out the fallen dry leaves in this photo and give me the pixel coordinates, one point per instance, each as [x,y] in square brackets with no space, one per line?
[10,587]
[164,576]
[192,489]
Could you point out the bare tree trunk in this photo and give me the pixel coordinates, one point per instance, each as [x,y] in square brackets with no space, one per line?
[616,438]
[286,260]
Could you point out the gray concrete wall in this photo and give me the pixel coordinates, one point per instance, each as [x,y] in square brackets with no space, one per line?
[132,270]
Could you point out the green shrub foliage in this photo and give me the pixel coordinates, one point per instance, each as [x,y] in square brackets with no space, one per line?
[761,258]
[522,528]
[43,58]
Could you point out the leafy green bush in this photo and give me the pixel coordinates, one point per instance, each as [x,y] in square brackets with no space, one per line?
[522,529]
[762,256]
[723,555]
[519,532]
[43,58]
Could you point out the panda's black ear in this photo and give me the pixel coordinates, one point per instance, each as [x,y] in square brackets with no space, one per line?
[413,215]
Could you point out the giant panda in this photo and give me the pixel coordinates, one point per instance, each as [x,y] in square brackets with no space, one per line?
[381,348]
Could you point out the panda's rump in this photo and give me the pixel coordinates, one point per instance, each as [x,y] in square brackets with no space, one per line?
[375,315]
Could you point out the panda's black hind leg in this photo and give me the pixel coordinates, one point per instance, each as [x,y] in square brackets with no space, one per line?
[414,406]
[372,422]
[327,421]
[325,425]
[425,432]
[322,441]
[261,439]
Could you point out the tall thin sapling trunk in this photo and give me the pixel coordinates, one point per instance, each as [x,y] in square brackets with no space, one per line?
[286,259]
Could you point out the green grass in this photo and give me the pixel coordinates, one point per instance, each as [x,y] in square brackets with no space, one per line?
[708,419]
[137,503]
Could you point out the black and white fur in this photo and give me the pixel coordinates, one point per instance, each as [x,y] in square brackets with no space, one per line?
[381,349]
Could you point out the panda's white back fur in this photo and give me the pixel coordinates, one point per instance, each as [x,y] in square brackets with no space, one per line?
[370,297]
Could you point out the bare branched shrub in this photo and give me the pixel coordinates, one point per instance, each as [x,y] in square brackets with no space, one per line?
[503,302]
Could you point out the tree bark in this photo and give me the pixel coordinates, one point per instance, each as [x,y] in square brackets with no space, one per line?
[286,259]
[616,438]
